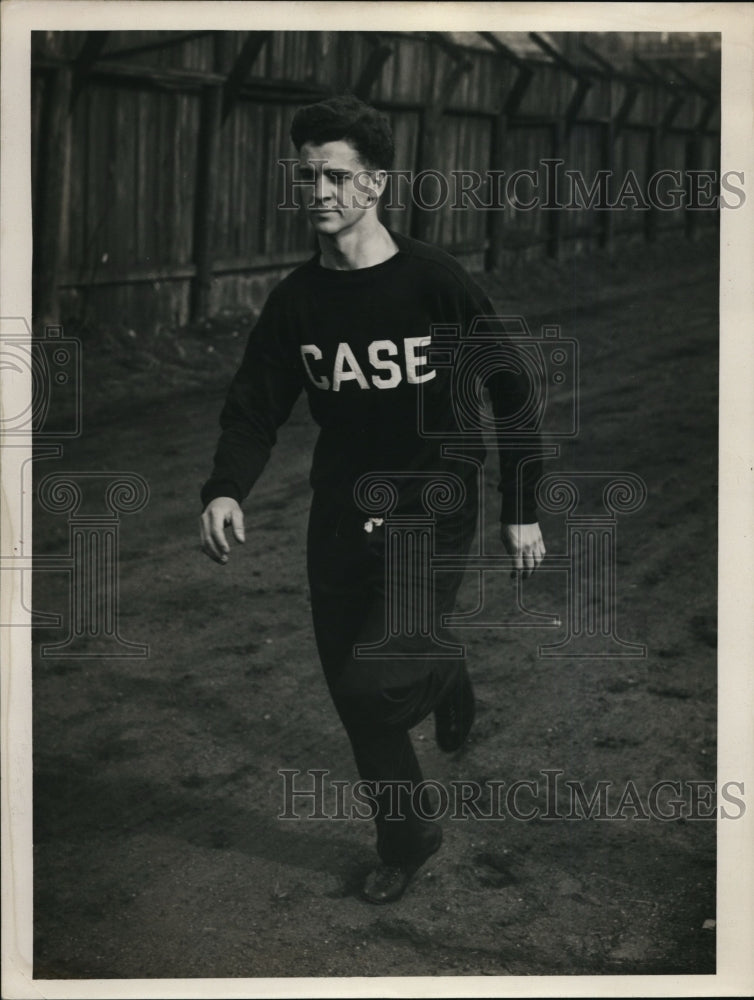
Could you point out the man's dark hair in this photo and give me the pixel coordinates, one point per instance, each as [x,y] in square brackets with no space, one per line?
[346,117]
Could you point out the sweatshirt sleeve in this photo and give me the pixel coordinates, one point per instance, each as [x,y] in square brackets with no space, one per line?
[259,401]
[520,463]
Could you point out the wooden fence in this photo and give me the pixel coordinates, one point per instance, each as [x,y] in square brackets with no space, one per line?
[155,154]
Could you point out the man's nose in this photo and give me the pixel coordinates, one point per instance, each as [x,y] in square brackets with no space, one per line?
[323,189]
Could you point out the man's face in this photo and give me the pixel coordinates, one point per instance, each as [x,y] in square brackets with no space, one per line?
[343,188]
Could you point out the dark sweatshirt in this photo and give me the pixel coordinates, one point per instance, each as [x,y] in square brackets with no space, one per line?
[385,385]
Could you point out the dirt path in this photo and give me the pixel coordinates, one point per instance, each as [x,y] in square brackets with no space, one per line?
[158,850]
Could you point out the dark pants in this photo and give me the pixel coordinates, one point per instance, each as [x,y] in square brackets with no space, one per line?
[379,699]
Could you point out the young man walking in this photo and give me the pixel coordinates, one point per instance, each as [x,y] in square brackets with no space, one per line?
[353,327]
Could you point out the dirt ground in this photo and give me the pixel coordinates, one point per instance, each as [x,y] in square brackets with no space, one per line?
[158,851]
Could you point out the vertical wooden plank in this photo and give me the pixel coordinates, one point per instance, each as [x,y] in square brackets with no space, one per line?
[55,158]
[225,219]
[275,238]
[176,213]
[691,162]
[606,163]
[263,194]
[152,177]
[181,237]
[193,110]
[93,183]
[248,115]
[420,223]
[159,107]
[174,137]
[555,215]
[206,185]
[286,219]
[122,228]
[186,179]
[232,187]
[250,176]
[496,215]
[456,140]
[77,188]
[114,223]
[651,218]
[141,221]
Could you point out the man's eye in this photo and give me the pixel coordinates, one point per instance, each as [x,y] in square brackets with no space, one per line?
[307,176]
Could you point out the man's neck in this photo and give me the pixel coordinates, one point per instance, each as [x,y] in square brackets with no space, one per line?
[356,248]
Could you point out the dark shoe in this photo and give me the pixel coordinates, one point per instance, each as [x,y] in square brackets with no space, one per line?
[387,883]
[454,715]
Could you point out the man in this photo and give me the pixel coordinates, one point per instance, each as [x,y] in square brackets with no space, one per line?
[353,327]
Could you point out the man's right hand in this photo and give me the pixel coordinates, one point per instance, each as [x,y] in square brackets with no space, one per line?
[217,515]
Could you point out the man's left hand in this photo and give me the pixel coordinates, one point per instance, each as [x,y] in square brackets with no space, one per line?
[523,542]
